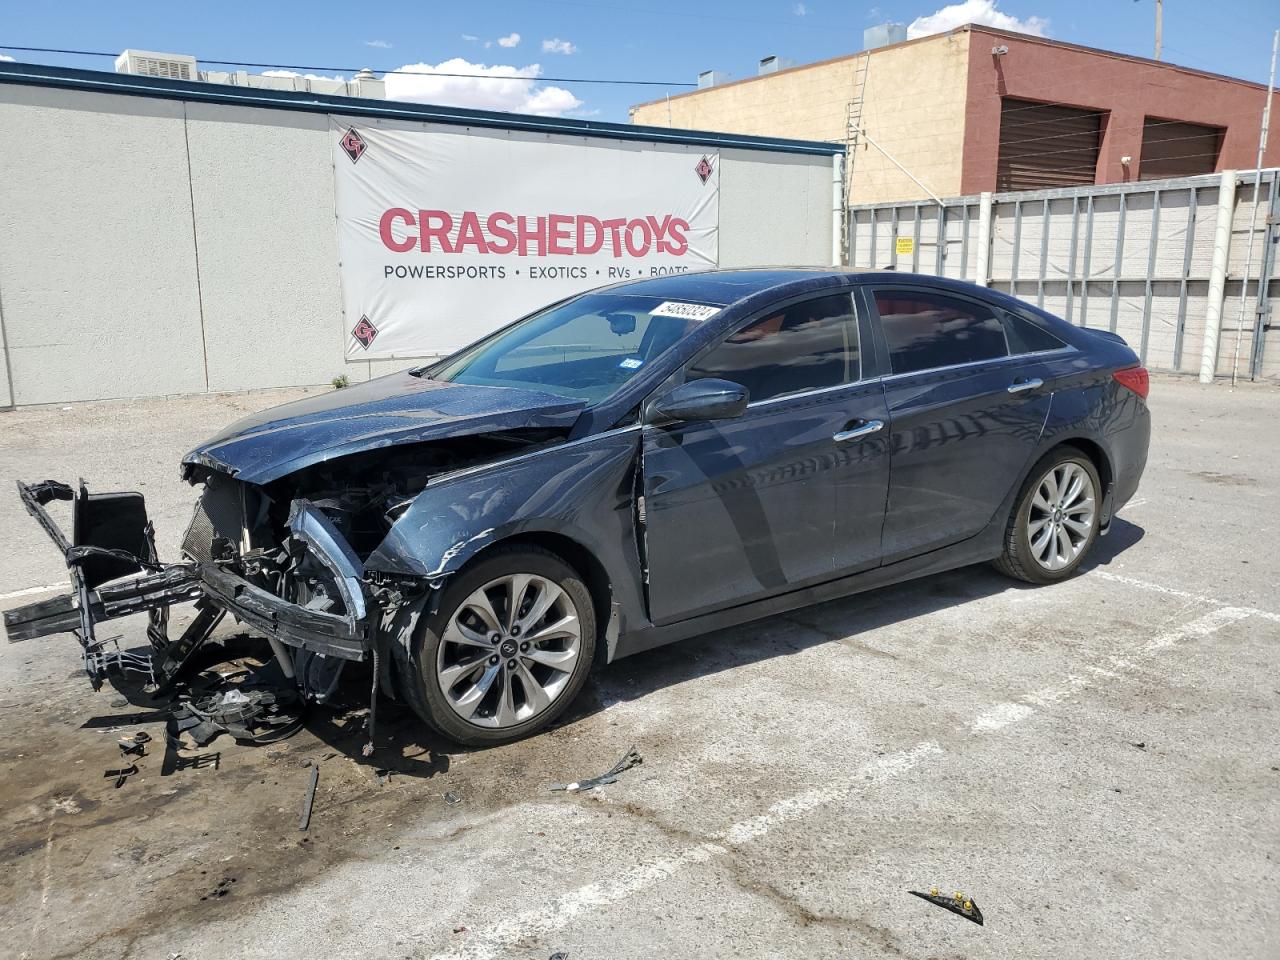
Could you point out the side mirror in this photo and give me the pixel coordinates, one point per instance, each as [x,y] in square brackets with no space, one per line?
[708,399]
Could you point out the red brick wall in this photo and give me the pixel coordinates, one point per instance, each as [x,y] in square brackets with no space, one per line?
[1128,89]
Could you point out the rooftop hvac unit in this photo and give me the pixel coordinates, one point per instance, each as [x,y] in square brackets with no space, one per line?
[774,64]
[712,78]
[170,66]
[882,35]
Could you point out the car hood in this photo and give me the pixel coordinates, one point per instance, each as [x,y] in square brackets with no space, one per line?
[392,410]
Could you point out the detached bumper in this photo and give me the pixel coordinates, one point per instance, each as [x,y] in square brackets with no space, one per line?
[327,633]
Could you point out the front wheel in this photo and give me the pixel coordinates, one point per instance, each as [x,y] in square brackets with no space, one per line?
[1055,521]
[506,651]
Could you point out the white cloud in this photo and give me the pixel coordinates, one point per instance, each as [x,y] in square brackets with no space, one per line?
[380,44]
[799,9]
[306,76]
[470,37]
[510,40]
[515,90]
[974,11]
[7,59]
[556,45]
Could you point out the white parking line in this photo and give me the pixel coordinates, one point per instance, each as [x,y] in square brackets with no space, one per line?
[1003,714]
[1181,594]
[30,591]
[496,939]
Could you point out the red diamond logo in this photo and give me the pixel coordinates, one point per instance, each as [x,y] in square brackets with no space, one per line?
[352,144]
[365,332]
[704,169]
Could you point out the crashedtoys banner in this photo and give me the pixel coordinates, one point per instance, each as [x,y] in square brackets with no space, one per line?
[446,236]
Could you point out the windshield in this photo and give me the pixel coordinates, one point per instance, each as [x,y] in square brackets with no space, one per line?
[586,348]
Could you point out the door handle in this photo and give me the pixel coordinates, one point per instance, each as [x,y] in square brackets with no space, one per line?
[866,428]
[1019,385]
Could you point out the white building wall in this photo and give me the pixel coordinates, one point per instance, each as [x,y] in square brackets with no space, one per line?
[262,185]
[97,262]
[151,247]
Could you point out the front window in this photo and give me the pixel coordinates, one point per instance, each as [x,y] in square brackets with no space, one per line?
[807,346]
[586,348]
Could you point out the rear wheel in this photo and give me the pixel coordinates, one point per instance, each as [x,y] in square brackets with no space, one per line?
[1055,521]
[507,650]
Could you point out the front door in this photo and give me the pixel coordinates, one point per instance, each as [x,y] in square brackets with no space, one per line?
[740,509]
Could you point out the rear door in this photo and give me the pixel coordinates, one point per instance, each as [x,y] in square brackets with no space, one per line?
[965,414]
[745,508]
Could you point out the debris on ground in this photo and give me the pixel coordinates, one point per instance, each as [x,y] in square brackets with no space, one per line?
[135,744]
[451,799]
[560,955]
[309,800]
[460,928]
[122,774]
[630,759]
[958,904]
[252,711]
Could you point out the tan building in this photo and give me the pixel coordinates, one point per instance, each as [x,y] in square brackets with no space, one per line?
[981,109]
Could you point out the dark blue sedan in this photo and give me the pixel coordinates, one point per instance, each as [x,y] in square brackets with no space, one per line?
[653,460]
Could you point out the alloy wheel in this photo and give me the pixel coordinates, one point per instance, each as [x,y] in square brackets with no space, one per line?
[1060,521]
[509,650]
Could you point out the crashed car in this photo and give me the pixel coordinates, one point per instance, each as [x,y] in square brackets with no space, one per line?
[626,468]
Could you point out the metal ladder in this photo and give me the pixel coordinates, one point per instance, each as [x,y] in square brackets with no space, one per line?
[853,133]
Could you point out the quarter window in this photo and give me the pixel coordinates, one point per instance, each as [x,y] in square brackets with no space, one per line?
[1027,337]
[806,346]
[926,330]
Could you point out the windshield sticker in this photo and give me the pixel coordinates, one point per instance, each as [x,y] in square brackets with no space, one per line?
[631,363]
[685,311]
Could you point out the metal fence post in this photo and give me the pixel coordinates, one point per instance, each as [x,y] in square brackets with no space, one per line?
[1188,248]
[1270,241]
[1088,254]
[1151,268]
[983,273]
[1218,275]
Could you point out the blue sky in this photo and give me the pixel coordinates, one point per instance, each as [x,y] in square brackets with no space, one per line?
[665,40]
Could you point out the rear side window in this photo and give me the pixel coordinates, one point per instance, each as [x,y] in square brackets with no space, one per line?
[1027,337]
[926,330]
[805,346]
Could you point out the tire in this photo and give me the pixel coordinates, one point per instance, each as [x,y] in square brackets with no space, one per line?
[1069,521]
[485,695]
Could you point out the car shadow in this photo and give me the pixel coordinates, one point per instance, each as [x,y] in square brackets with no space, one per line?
[634,677]
[404,746]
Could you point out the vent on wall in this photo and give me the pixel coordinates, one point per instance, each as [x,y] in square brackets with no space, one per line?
[170,66]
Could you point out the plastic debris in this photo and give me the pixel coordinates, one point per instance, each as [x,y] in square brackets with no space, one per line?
[630,759]
[958,903]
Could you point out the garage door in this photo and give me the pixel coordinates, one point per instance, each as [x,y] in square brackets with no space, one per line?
[1171,148]
[1046,145]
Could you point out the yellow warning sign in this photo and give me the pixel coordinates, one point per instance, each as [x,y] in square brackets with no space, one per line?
[906,246]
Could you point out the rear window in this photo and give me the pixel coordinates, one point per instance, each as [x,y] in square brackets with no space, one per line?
[926,330]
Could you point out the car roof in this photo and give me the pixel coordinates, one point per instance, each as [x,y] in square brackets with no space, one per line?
[722,287]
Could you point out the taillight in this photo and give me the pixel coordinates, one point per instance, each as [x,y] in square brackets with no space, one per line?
[1135,378]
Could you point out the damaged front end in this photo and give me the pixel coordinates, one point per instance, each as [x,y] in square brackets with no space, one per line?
[297,532]
[285,557]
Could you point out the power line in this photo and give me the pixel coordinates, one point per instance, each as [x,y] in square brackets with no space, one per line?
[354,70]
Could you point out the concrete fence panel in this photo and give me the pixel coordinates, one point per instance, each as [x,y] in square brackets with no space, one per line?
[1132,258]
